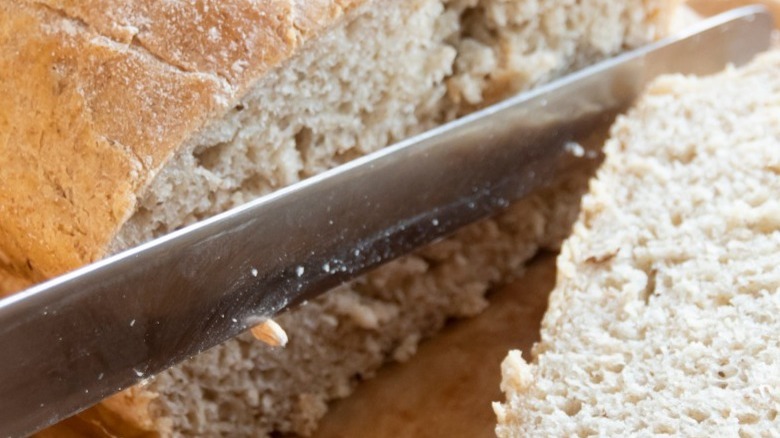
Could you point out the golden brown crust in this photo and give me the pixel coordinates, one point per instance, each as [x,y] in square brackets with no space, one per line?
[234,40]
[9,282]
[124,415]
[95,96]
[52,216]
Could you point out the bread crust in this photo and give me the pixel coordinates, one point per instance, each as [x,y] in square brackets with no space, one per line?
[95,97]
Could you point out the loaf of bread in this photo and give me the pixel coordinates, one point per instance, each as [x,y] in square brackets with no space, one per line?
[666,312]
[122,121]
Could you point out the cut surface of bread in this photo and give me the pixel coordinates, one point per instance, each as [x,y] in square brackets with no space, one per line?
[247,107]
[665,316]
[430,61]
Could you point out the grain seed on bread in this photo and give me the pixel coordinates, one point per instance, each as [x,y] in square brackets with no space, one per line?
[270,332]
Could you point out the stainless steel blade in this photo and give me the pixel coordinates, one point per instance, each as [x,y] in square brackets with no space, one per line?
[74,340]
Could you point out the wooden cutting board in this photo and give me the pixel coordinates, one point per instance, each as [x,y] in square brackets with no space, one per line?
[711,7]
[447,388]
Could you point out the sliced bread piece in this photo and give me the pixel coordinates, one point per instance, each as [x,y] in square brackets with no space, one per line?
[152,115]
[666,312]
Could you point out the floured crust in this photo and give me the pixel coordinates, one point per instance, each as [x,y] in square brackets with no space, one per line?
[107,93]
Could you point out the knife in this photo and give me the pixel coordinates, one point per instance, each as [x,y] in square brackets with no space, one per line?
[69,342]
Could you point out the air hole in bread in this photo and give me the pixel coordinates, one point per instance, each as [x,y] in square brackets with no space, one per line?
[747,418]
[303,140]
[210,158]
[676,218]
[572,407]
[650,287]
[697,414]
[585,431]
[663,428]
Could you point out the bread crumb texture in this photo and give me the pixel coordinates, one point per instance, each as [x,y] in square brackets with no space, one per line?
[675,331]
[387,72]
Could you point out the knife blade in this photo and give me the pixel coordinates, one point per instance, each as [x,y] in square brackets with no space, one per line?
[69,342]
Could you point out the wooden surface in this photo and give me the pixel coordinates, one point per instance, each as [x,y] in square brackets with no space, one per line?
[712,7]
[447,388]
